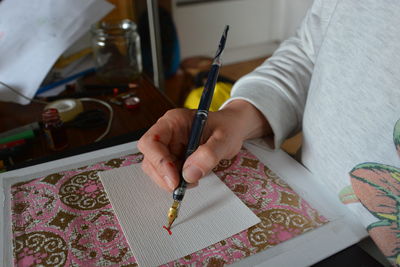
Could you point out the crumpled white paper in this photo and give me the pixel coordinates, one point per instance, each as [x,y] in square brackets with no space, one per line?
[34,33]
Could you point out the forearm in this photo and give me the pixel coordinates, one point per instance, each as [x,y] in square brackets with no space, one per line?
[251,123]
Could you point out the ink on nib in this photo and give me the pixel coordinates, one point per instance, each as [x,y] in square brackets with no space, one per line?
[168,229]
[171,219]
[172,215]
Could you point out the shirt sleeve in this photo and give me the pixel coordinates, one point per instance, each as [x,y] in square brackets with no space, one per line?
[279,87]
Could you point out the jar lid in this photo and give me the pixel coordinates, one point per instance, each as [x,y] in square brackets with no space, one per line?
[113,27]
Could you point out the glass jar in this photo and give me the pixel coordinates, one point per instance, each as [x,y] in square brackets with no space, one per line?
[116,50]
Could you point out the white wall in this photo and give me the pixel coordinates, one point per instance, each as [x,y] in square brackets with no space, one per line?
[294,11]
[256,26]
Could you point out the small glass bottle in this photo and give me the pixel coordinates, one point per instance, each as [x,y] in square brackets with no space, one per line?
[54,129]
[116,50]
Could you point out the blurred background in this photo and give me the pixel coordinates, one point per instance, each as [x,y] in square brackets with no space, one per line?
[169,47]
[190,31]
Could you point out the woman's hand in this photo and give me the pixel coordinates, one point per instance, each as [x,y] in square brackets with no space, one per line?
[164,144]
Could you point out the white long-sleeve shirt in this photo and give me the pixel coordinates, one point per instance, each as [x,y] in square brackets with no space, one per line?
[337,80]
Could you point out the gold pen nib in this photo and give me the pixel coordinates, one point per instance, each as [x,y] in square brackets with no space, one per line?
[173,213]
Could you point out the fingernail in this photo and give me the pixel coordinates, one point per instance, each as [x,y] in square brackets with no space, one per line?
[169,182]
[192,174]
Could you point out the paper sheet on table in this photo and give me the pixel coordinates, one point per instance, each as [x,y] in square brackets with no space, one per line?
[209,213]
[72,69]
[34,33]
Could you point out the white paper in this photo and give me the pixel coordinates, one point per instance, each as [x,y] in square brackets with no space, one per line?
[34,33]
[75,67]
[209,213]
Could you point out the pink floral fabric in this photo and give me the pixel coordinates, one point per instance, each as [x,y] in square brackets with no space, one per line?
[66,219]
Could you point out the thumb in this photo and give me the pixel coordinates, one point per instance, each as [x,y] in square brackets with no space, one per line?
[207,156]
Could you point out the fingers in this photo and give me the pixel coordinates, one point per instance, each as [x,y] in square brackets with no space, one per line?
[161,145]
[157,155]
[158,162]
[224,135]
[166,141]
[208,155]
[163,181]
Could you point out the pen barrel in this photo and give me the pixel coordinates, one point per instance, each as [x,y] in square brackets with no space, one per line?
[194,139]
[198,124]
[208,92]
[179,192]
[199,121]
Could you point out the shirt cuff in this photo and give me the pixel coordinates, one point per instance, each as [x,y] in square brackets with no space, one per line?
[272,104]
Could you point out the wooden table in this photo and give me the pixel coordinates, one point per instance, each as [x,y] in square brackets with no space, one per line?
[127,125]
